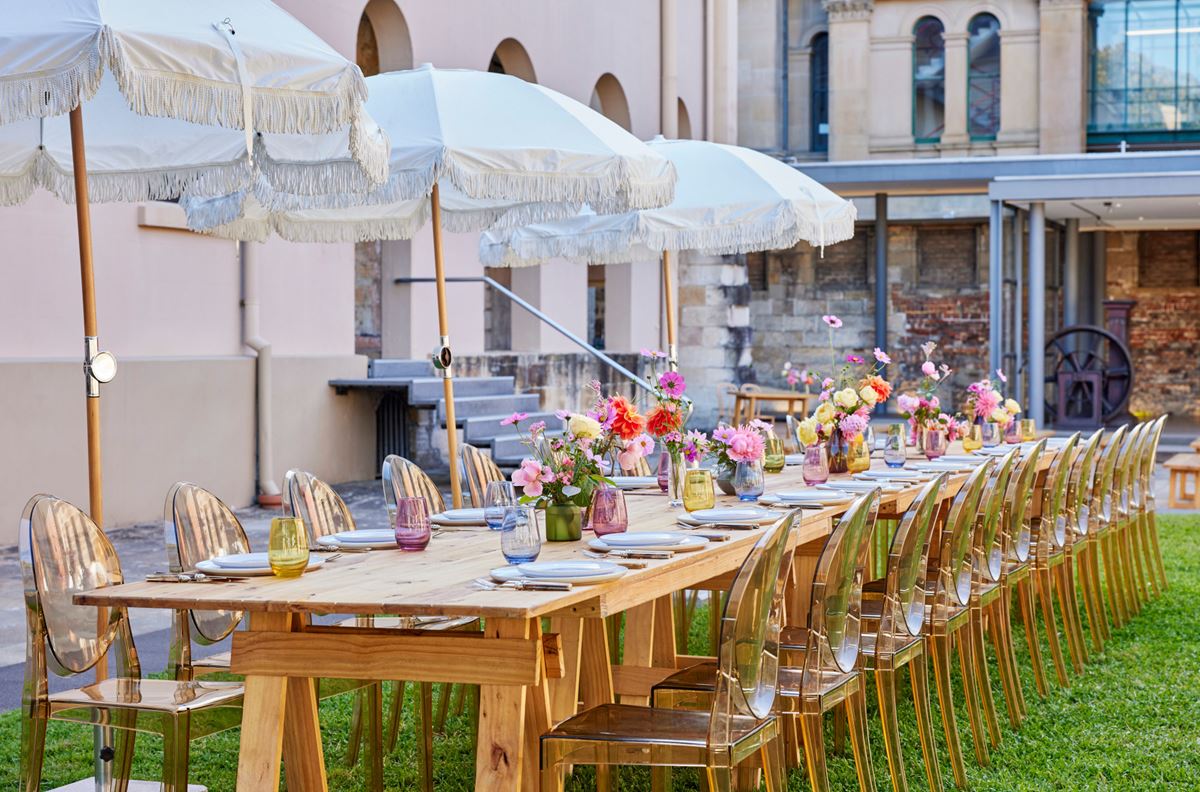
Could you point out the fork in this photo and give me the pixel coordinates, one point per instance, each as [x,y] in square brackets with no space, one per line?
[628,563]
[522,584]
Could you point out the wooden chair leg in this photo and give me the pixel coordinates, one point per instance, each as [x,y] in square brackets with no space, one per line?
[983,677]
[856,716]
[374,737]
[176,748]
[1046,598]
[971,693]
[1029,619]
[439,723]
[939,649]
[813,728]
[889,714]
[919,674]
[354,740]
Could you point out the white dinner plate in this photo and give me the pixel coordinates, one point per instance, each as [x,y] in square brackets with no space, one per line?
[504,574]
[816,499]
[794,459]
[241,561]
[634,482]
[644,538]
[966,459]
[374,538]
[862,486]
[459,517]
[209,568]
[690,542]
[889,475]
[734,514]
[556,570]
[944,467]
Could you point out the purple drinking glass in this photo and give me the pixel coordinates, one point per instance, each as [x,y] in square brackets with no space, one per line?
[664,471]
[816,465]
[608,513]
[935,443]
[412,524]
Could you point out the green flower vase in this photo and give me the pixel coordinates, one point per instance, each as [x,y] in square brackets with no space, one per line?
[564,522]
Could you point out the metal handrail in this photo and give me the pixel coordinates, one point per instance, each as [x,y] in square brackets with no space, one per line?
[591,350]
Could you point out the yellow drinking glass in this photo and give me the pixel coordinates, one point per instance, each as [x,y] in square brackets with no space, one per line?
[775,457]
[973,438]
[698,490]
[287,548]
[1028,429]
[859,457]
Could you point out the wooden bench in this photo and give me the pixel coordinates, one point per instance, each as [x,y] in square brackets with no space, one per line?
[1185,470]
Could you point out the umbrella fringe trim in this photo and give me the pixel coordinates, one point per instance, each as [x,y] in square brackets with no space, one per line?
[26,96]
[783,230]
[203,101]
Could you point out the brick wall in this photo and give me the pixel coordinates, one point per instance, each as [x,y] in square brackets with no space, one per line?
[1164,327]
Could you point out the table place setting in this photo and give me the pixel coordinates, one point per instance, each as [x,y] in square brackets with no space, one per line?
[642,485]
[358,540]
[892,476]
[459,518]
[646,541]
[249,565]
[736,517]
[860,487]
[582,573]
[190,577]
[806,499]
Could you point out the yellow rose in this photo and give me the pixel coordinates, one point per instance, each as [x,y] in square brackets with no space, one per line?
[846,398]
[1012,406]
[868,395]
[824,412]
[999,415]
[807,431]
[583,427]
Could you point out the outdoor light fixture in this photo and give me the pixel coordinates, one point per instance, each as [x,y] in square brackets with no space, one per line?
[99,366]
[443,357]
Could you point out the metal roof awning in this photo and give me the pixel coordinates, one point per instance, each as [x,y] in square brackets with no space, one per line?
[1130,201]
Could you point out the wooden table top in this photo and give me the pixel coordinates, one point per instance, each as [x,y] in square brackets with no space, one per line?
[438,581]
[775,394]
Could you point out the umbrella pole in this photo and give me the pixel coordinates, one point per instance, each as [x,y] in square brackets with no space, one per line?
[669,304]
[83,221]
[444,359]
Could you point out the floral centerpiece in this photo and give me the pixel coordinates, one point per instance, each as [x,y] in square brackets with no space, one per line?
[852,392]
[796,376]
[987,405]
[666,419]
[732,447]
[924,409]
[561,474]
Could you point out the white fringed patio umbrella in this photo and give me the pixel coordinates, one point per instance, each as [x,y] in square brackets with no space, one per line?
[468,150]
[728,199]
[238,64]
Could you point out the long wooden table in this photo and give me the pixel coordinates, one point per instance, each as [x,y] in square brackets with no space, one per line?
[529,678]
[746,402]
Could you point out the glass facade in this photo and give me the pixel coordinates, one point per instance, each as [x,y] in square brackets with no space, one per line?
[929,80]
[983,77]
[1145,71]
[818,103]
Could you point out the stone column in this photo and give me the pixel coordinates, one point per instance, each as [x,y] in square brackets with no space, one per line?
[714,328]
[1073,298]
[849,77]
[558,289]
[633,306]
[725,72]
[1063,65]
[954,135]
[668,69]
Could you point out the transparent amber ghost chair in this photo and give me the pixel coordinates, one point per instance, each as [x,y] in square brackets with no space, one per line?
[1055,577]
[1104,514]
[63,554]
[1136,483]
[1145,506]
[324,512]
[1123,534]
[479,470]
[990,596]
[405,479]
[738,723]
[949,617]
[1081,547]
[893,635]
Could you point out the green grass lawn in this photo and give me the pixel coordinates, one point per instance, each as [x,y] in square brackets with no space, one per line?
[1129,723]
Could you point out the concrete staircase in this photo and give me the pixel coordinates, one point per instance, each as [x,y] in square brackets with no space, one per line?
[480,403]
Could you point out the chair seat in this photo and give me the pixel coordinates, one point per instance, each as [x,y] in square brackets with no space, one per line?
[213,662]
[157,695]
[624,723]
[699,678]
[791,682]
[793,639]
[434,623]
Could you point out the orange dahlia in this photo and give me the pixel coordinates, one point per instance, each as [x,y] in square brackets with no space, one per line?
[664,419]
[882,387]
[625,422]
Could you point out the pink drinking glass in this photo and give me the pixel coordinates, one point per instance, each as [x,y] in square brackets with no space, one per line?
[816,465]
[608,511]
[935,443]
[412,524]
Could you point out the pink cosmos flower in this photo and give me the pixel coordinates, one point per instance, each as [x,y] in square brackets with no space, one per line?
[537,426]
[929,369]
[760,425]
[827,383]
[723,434]
[825,395]
[530,475]
[561,415]
[854,359]
[653,353]
[515,418]
[882,356]
[832,321]
[672,383]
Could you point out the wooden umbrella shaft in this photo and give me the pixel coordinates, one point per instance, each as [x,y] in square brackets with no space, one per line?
[444,333]
[83,221]
[669,304]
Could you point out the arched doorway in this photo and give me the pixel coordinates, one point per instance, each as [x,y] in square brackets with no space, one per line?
[510,57]
[383,45]
[684,125]
[608,97]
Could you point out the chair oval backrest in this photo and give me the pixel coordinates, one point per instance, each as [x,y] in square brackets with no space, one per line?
[197,526]
[956,560]
[404,479]
[322,510]
[1083,479]
[63,553]
[907,569]
[479,471]
[1143,492]
[1016,506]
[1123,471]
[835,612]
[1102,507]
[748,651]
[1052,533]
[990,539]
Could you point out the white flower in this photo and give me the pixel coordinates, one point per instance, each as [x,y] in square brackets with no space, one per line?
[583,427]
[868,395]
[846,398]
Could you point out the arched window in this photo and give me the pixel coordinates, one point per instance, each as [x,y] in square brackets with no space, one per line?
[929,80]
[818,90]
[608,99]
[511,58]
[983,77]
[684,128]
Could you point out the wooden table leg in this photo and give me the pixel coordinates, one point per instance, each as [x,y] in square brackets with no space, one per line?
[564,691]
[263,720]
[538,721]
[499,754]
[639,643]
[663,654]
[595,666]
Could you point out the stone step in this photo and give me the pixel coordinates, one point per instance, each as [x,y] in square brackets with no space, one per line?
[427,391]
[508,450]
[476,406]
[405,369]
[484,429]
